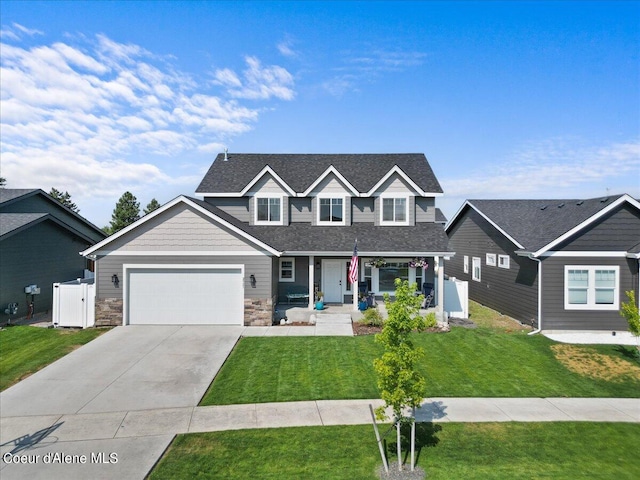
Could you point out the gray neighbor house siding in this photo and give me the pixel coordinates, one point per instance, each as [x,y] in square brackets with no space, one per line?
[40,241]
[556,234]
[513,292]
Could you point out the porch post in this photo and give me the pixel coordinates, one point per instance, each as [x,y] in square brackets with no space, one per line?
[439,264]
[355,292]
[311,282]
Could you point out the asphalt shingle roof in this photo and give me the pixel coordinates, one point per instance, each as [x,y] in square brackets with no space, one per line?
[536,223]
[301,237]
[10,222]
[7,194]
[299,171]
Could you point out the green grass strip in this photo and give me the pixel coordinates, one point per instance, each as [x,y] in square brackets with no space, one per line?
[461,363]
[445,451]
[25,350]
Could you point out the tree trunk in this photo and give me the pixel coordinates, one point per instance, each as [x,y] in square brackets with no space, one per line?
[413,440]
[398,425]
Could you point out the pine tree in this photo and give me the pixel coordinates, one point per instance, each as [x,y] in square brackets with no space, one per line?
[64,199]
[151,206]
[3,182]
[126,212]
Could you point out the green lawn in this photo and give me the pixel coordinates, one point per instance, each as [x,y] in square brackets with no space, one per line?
[462,363]
[25,350]
[448,451]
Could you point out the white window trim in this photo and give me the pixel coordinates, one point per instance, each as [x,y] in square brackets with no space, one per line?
[476,261]
[591,305]
[375,275]
[344,209]
[504,261]
[293,269]
[387,196]
[490,259]
[465,264]
[268,222]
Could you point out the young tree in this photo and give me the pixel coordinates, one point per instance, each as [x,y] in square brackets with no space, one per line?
[151,206]
[401,385]
[629,310]
[64,199]
[126,212]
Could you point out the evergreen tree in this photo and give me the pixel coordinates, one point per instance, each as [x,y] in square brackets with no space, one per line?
[3,182]
[151,206]
[126,212]
[64,199]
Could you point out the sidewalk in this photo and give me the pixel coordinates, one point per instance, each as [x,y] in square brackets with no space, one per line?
[137,439]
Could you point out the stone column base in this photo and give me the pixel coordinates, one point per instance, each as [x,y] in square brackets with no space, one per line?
[108,312]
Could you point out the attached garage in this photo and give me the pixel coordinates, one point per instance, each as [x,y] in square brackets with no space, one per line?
[183,294]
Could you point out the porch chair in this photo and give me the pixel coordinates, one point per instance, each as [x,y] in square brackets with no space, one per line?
[428,292]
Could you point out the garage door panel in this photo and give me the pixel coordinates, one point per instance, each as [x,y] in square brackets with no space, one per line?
[185,296]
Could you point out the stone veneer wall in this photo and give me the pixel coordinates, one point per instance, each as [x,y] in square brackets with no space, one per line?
[258,311]
[108,312]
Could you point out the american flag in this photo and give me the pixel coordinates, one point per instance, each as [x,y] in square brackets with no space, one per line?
[353,268]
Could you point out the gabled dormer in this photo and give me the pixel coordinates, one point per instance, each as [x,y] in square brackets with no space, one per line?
[268,198]
[330,197]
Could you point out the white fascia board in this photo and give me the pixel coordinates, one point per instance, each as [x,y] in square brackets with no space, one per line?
[223,194]
[175,201]
[134,225]
[184,253]
[276,177]
[398,170]
[587,222]
[594,254]
[456,215]
[633,255]
[326,173]
[495,225]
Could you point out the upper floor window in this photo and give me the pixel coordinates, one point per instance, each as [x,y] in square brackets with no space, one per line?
[476,268]
[395,210]
[268,210]
[503,261]
[591,287]
[331,210]
[465,264]
[491,259]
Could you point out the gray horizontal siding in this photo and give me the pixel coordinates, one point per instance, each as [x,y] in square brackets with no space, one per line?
[300,209]
[554,315]
[425,209]
[617,231]
[236,206]
[259,266]
[43,255]
[512,291]
[181,228]
[362,210]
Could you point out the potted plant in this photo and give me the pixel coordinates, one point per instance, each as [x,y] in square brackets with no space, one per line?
[319,301]
[362,303]
[376,262]
[419,263]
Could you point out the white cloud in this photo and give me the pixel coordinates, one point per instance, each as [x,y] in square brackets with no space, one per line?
[91,116]
[259,83]
[27,31]
[555,168]
[285,48]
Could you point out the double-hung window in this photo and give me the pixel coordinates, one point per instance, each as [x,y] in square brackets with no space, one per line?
[269,210]
[287,270]
[394,211]
[331,210]
[465,264]
[476,263]
[589,287]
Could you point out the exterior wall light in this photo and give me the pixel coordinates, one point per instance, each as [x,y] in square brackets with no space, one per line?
[115,280]
[252,278]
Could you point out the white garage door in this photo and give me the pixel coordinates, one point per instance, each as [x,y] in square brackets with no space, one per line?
[185,296]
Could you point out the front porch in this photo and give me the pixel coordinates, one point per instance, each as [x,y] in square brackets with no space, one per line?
[302,278]
[302,314]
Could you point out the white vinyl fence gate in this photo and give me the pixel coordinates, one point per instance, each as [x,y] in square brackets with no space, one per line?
[74,304]
[456,298]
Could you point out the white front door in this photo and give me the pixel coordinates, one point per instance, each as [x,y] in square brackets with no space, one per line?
[333,272]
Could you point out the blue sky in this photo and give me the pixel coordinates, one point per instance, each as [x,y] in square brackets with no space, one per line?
[506,99]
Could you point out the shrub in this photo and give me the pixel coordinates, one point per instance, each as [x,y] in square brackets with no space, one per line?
[372,318]
[430,320]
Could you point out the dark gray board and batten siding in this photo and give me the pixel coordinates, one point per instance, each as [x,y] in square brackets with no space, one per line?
[513,291]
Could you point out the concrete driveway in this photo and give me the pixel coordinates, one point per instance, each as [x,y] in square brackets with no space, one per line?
[136,367]
[76,405]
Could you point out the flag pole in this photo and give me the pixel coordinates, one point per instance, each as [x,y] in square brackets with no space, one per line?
[354,275]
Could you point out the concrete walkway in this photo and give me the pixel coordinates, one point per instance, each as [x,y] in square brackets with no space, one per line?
[321,324]
[98,435]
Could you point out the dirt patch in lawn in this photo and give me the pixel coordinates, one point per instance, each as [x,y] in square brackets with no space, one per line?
[589,363]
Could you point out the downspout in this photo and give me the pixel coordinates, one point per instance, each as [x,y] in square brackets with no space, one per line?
[539,329]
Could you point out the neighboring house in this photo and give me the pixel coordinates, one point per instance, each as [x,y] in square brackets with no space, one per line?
[553,264]
[274,228]
[39,244]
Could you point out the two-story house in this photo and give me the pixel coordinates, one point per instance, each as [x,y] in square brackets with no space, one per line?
[269,225]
